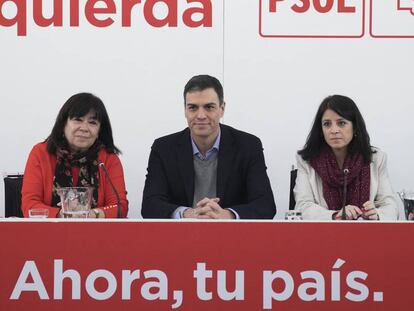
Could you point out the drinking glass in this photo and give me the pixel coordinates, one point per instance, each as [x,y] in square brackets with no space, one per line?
[76,201]
[293,215]
[407,197]
[38,212]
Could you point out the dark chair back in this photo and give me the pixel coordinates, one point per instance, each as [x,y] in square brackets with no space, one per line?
[293,175]
[13,195]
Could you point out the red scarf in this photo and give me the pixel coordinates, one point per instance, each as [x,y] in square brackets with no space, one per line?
[88,171]
[358,179]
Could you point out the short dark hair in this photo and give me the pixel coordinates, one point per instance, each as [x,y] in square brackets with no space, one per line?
[203,82]
[78,106]
[346,108]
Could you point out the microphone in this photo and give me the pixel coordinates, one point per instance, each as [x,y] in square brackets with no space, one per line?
[344,217]
[118,201]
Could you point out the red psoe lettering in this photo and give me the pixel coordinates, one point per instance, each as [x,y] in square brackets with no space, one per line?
[206,11]
[301,9]
[19,19]
[323,8]
[320,6]
[42,21]
[343,8]
[91,11]
[170,20]
[273,4]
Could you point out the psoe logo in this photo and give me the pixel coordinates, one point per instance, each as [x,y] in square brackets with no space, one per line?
[312,18]
[104,13]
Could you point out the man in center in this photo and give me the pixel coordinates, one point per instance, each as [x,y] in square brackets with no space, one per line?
[209,170]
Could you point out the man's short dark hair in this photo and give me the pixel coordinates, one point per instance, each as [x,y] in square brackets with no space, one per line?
[203,82]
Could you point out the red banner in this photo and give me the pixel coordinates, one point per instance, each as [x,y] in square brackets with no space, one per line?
[141,265]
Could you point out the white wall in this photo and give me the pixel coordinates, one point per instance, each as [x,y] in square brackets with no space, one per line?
[272,86]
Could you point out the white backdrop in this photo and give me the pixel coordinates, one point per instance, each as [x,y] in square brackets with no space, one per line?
[273,86]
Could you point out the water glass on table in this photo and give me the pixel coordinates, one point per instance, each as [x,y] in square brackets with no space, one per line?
[407,197]
[293,215]
[38,212]
[75,201]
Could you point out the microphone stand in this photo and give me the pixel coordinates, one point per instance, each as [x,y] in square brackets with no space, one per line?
[118,201]
[343,216]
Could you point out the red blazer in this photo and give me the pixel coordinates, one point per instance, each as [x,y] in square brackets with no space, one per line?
[38,182]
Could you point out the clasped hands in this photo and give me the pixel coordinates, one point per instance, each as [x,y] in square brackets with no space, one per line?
[367,212]
[208,209]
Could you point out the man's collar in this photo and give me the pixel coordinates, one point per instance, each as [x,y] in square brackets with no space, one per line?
[216,146]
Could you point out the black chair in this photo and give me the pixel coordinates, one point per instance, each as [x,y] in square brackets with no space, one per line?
[13,195]
[293,175]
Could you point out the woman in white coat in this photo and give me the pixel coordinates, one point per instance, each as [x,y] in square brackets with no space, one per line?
[338,167]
